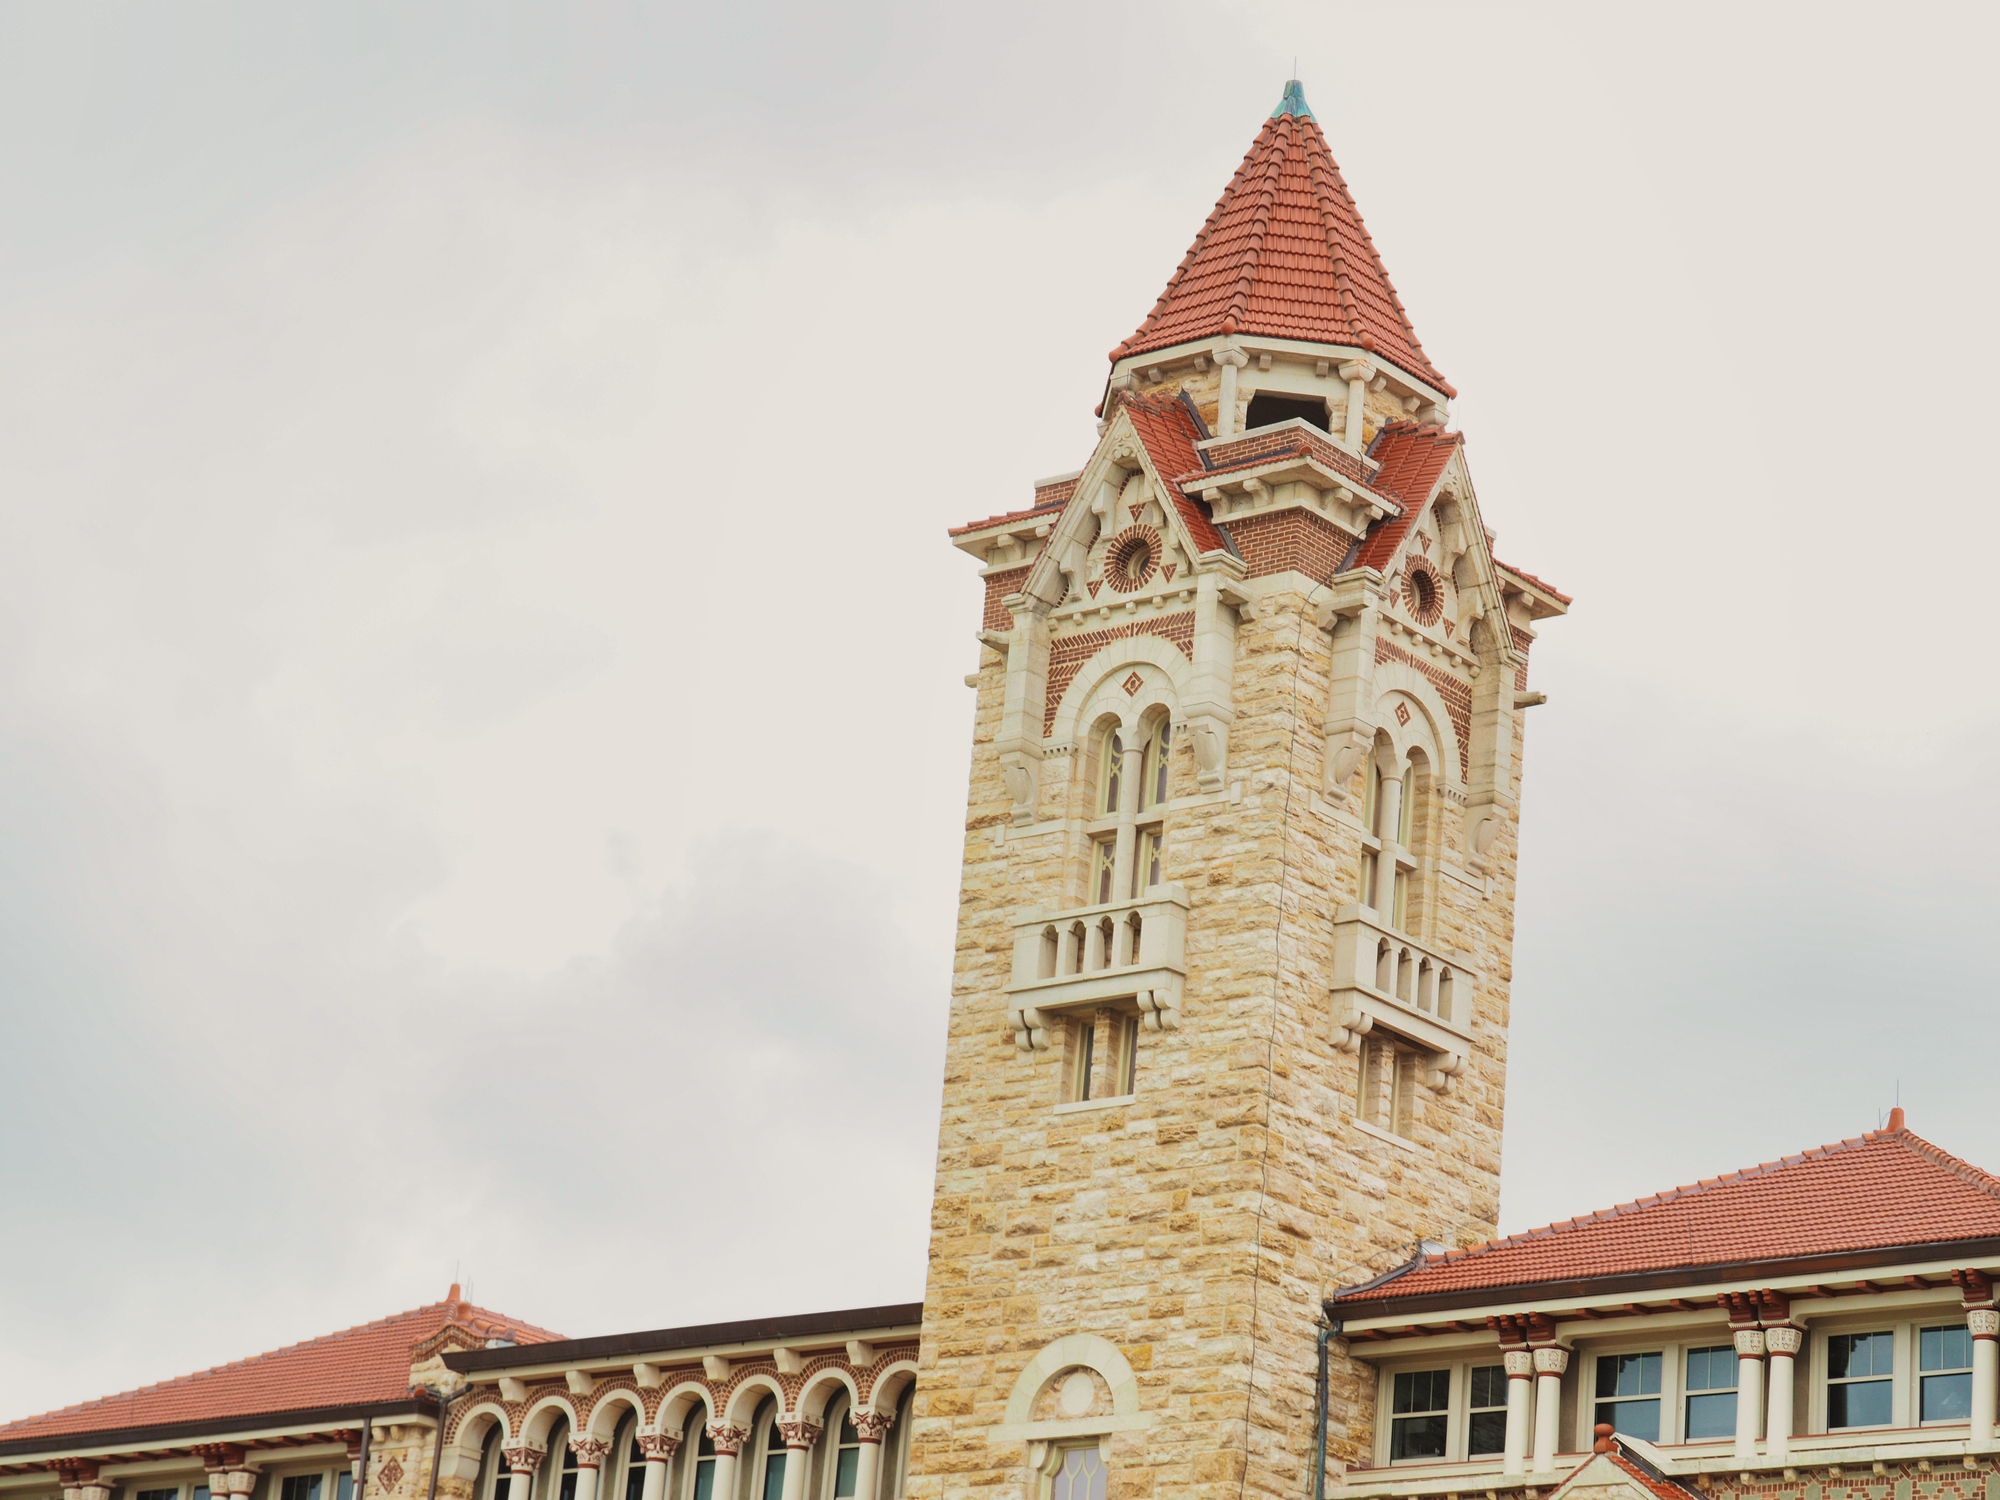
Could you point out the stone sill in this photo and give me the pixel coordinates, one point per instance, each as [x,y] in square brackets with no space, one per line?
[1083,1106]
[1393,1139]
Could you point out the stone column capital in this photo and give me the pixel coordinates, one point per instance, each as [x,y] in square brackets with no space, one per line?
[800,1433]
[659,1447]
[1983,1322]
[1357,369]
[1749,1343]
[728,1440]
[1784,1341]
[523,1458]
[1229,354]
[1520,1363]
[589,1451]
[873,1426]
[1551,1360]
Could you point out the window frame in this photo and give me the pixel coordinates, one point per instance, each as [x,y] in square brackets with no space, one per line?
[1897,1323]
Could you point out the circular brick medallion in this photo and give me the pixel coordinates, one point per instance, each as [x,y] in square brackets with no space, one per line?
[1423,590]
[1133,559]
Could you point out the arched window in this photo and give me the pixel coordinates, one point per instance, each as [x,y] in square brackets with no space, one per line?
[1152,799]
[846,1455]
[1110,796]
[559,1471]
[701,1473]
[772,1481]
[1110,771]
[494,1475]
[1406,820]
[1388,813]
[626,1442]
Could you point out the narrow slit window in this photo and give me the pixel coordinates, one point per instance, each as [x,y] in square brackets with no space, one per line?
[847,1456]
[1128,1053]
[1086,1045]
[1110,771]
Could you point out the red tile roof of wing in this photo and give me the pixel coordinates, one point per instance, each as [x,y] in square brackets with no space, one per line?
[1411,457]
[1883,1189]
[355,1366]
[1285,254]
[1540,583]
[1170,430]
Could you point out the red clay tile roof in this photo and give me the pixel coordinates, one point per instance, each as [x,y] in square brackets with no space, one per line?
[1883,1189]
[1012,515]
[1285,254]
[370,1363]
[1169,429]
[1537,582]
[1411,457]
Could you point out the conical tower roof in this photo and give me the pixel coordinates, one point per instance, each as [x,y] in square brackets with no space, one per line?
[1285,254]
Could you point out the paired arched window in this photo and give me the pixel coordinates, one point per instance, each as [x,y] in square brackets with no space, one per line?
[1389,813]
[772,1485]
[1128,835]
[701,1473]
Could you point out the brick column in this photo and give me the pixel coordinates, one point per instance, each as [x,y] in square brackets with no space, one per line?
[659,1448]
[522,1461]
[589,1453]
[872,1427]
[1550,1364]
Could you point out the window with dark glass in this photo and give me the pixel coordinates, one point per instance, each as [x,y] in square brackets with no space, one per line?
[846,1455]
[1711,1388]
[774,1462]
[168,1494]
[1418,1404]
[702,1482]
[1486,1429]
[1628,1394]
[635,1470]
[300,1487]
[1858,1371]
[343,1485]
[1944,1368]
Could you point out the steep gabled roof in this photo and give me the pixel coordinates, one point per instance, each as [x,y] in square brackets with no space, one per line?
[354,1367]
[1285,254]
[1169,429]
[1885,1189]
[1412,458]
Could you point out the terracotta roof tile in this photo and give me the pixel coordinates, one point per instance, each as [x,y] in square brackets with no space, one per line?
[357,1365]
[1013,515]
[1285,254]
[1537,582]
[1412,458]
[1886,1188]
[1170,429]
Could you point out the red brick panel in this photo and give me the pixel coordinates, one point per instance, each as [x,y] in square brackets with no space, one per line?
[1295,539]
[1067,656]
[1457,696]
[998,587]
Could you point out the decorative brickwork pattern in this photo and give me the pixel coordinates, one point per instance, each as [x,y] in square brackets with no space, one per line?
[1291,540]
[1457,695]
[1522,641]
[1067,655]
[1260,447]
[998,587]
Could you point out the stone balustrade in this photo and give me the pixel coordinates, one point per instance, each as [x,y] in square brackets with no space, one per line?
[1119,951]
[1421,991]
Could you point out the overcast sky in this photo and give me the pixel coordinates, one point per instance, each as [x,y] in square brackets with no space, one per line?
[482,733]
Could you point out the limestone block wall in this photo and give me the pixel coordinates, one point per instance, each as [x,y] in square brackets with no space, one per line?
[1198,1226]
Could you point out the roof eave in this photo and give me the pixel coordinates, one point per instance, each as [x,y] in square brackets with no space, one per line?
[570,1352]
[97,1442]
[1508,1297]
[1420,384]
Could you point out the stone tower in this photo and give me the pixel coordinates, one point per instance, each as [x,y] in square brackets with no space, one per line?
[1229,1020]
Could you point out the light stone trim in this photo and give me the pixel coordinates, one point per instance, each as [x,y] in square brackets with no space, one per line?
[1092,1352]
[1153,985]
[1359,1006]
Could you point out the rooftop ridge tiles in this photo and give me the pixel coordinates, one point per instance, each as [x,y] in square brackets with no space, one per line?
[511,1325]
[1007,515]
[1901,1138]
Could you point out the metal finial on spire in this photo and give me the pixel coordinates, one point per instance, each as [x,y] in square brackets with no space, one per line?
[1294,102]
